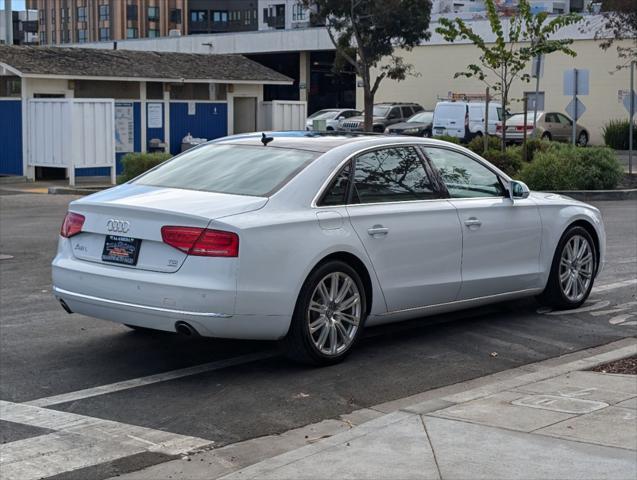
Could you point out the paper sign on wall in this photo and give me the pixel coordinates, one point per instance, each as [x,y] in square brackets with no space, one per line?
[124,123]
[192,108]
[155,115]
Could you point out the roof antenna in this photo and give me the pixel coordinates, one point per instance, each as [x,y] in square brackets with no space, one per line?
[265,139]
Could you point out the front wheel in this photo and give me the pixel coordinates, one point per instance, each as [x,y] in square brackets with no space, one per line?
[329,315]
[572,271]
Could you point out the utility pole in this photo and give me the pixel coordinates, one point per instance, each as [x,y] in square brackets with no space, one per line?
[486,121]
[8,22]
[538,71]
[631,125]
[525,100]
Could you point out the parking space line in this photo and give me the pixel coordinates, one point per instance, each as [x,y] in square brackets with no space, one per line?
[150,379]
[79,441]
[613,286]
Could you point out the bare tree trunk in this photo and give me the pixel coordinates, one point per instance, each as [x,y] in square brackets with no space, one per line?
[368,102]
[504,119]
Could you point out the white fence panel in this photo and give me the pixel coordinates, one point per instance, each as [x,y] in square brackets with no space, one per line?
[71,133]
[284,115]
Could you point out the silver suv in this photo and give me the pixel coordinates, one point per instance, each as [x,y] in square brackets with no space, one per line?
[384,114]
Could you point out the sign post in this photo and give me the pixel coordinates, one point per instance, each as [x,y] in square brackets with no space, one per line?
[575,116]
[537,73]
[632,114]
[575,83]
[486,120]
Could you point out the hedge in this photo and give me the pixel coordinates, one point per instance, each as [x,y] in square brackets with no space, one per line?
[137,163]
[616,132]
[565,167]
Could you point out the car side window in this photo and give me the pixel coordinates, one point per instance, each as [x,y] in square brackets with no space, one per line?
[407,112]
[418,108]
[336,193]
[394,113]
[464,176]
[550,118]
[394,174]
[564,120]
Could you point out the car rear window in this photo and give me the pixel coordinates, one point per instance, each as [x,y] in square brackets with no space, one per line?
[449,111]
[235,169]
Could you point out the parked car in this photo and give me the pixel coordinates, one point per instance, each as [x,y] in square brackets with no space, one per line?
[465,120]
[310,239]
[418,125]
[331,116]
[384,115]
[550,126]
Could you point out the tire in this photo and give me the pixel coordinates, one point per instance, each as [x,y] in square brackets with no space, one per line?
[582,139]
[557,293]
[547,136]
[427,134]
[378,129]
[304,346]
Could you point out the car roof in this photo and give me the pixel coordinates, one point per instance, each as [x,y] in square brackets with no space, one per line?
[299,140]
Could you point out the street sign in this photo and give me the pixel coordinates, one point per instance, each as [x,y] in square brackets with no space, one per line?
[570,109]
[582,82]
[626,102]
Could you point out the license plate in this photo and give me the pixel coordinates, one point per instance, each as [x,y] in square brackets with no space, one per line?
[124,250]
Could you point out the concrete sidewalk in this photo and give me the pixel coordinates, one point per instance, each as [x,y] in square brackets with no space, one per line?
[547,420]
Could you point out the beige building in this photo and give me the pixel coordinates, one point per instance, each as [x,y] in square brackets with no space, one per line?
[437,62]
[80,21]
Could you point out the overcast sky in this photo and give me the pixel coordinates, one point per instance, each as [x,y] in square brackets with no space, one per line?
[16,4]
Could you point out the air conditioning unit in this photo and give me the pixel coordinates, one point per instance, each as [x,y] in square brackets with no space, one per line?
[174,32]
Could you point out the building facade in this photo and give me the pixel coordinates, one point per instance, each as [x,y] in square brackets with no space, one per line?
[81,21]
[24,27]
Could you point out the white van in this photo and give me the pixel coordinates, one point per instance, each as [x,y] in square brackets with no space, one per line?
[465,120]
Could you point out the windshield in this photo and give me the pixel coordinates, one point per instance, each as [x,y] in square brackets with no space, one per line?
[324,115]
[380,111]
[236,169]
[424,117]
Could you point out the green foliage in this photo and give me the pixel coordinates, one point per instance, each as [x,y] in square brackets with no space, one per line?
[509,161]
[448,138]
[366,34]
[517,40]
[565,167]
[137,163]
[477,144]
[616,133]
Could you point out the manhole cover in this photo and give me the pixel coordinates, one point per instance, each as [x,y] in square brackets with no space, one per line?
[5,257]
[560,404]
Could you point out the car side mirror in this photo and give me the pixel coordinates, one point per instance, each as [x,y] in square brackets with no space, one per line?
[518,190]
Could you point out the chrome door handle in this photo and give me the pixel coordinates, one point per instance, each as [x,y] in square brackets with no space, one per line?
[378,230]
[472,222]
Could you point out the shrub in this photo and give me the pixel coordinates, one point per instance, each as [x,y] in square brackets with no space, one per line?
[535,145]
[509,161]
[565,167]
[448,138]
[137,163]
[616,133]
[477,144]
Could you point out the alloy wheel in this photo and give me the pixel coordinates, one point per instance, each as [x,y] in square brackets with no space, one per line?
[334,313]
[576,268]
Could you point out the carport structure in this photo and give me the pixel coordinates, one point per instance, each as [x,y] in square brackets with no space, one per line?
[155,95]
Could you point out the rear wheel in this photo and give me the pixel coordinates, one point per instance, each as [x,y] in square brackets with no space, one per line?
[582,139]
[572,271]
[329,315]
[546,136]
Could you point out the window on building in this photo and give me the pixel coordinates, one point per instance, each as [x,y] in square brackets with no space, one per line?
[10,86]
[198,16]
[42,17]
[131,12]
[53,36]
[154,90]
[153,14]
[105,34]
[153,32]
[105,12]
[42,37]
[220,16]
[298,13]
[175,15]
[82,36]
[81,14]
[131,32]
[53,16]
[64,15]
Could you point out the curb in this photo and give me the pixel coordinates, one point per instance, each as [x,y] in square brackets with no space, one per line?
[13,179]
[75,190]
[592,195]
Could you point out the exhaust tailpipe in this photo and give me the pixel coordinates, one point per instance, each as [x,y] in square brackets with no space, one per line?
[184,328]
[66,308]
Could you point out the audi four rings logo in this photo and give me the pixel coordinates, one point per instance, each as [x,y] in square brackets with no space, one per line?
[119,226]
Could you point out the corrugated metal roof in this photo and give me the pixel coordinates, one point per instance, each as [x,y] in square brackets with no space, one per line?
[129,64]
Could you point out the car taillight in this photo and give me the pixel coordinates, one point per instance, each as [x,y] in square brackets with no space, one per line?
[520,128]
[498,127]
[201,242]
[72,225]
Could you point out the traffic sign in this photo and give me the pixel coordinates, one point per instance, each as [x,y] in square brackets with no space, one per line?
[582,81]
[570,109]
[626,102]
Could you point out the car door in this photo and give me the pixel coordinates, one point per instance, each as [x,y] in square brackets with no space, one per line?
[501,238]
[394,116]
[410,232]
[552,125]
[566,127]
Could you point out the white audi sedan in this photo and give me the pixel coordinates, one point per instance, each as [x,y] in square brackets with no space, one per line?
[307,239]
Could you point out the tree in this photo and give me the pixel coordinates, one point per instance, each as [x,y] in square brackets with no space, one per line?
[620,21]
[366,33]
[517,40]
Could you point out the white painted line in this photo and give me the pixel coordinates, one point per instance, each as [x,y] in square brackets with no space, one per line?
[613,286]
[79,441]
[148,380]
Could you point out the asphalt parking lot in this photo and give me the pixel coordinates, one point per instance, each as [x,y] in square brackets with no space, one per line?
[239,390]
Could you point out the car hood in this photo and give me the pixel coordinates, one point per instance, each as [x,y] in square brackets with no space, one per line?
[407,125]
[361,119]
